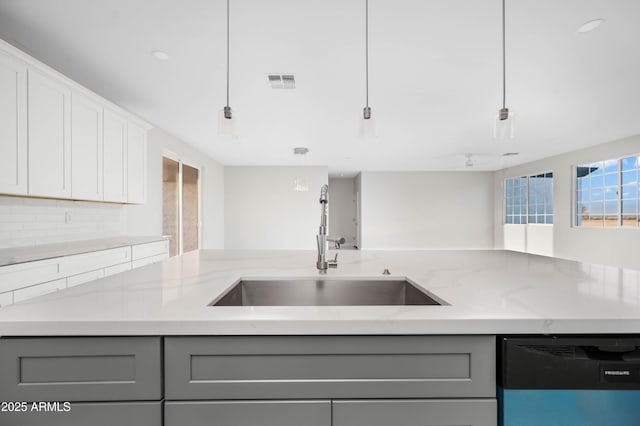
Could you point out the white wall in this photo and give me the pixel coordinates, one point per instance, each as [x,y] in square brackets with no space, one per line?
[147,219]
[262,211]
[34,221]
[415,210]
[611,246]
[342,209]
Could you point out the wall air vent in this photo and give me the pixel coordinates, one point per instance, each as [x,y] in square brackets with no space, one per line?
[281,81]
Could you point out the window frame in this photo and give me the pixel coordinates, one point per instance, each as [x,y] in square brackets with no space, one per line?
[619,187]
[527,202]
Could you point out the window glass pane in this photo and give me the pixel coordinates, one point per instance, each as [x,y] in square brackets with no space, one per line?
[611,166]
[611,193]
[629,163]
[596,181]
[629,177]
[597,194]
[629,192]
[611,179]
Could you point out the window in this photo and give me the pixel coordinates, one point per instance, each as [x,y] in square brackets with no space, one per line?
[630,178]
[541,198]
[529,199]
[607,193]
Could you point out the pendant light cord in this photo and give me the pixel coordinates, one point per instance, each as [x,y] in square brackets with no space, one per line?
[504,67]
[227,53]
[366,44]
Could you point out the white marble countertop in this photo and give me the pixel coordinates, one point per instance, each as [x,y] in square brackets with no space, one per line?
[489,292]
[13,255]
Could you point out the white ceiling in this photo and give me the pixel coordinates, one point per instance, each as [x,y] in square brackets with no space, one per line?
[435,74]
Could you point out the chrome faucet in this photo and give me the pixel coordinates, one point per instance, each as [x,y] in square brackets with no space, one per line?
[322,239]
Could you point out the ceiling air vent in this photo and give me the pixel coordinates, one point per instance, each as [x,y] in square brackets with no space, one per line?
[281,81]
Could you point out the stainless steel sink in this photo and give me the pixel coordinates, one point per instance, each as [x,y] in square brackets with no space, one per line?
[325,292]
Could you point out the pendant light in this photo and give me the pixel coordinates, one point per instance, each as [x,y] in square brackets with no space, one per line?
[367,127]
[226,122]
[504,126]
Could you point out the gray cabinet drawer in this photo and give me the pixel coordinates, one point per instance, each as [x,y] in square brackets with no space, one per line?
[80,369]
[442,412]
[269,367]
[90,414]
[248,413]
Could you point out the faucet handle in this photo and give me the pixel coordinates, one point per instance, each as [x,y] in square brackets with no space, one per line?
[334,262]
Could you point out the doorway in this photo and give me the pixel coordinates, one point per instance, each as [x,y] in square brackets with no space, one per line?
[180,205]
[343,210]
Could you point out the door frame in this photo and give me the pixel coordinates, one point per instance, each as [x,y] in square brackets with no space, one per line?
[171,155]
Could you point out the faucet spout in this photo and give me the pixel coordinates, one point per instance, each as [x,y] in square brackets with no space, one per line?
[322,239]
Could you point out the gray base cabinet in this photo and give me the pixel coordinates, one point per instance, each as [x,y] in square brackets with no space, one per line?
[96,381]
[248,413]
[90,414]
[441,412]
[330,380]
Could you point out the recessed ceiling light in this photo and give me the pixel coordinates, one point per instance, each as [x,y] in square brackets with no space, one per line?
[590,26]
[161,55]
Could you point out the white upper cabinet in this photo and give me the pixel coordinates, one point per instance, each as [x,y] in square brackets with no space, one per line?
[49,125]
[115,157]
[60,140]
[86,148]
[13,125]
[136,164]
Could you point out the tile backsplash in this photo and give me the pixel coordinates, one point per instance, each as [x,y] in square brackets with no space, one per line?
[33,221]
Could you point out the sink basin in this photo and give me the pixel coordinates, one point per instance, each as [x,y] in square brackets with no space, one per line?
[325,292]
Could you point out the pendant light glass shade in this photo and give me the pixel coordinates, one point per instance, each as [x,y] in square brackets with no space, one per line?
[504,126]
[226,126]
[367,125]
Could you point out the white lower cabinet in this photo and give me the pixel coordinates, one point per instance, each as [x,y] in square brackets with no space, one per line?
[146,254]
[84,278]
[30,279]
[39,290]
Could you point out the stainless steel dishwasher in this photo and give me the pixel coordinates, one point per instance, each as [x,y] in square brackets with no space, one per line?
[569,380]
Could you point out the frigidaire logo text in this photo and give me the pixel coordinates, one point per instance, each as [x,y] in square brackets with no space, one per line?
[617,373]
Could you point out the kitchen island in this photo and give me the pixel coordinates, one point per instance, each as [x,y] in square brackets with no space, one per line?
[146,347]
[487,291]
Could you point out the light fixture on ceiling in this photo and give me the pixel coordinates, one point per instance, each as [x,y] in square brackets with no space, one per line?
[504,125]
[590,26]
[367,126]
[160,55]
[300,184]
[226,122]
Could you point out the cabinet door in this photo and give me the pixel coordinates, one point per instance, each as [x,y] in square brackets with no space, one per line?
[248,413]
[115,157]
[84,414]
[136,164]
[270,367]
[13,126]
[49,137]
[86,148]
[439,412]
[80,369]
